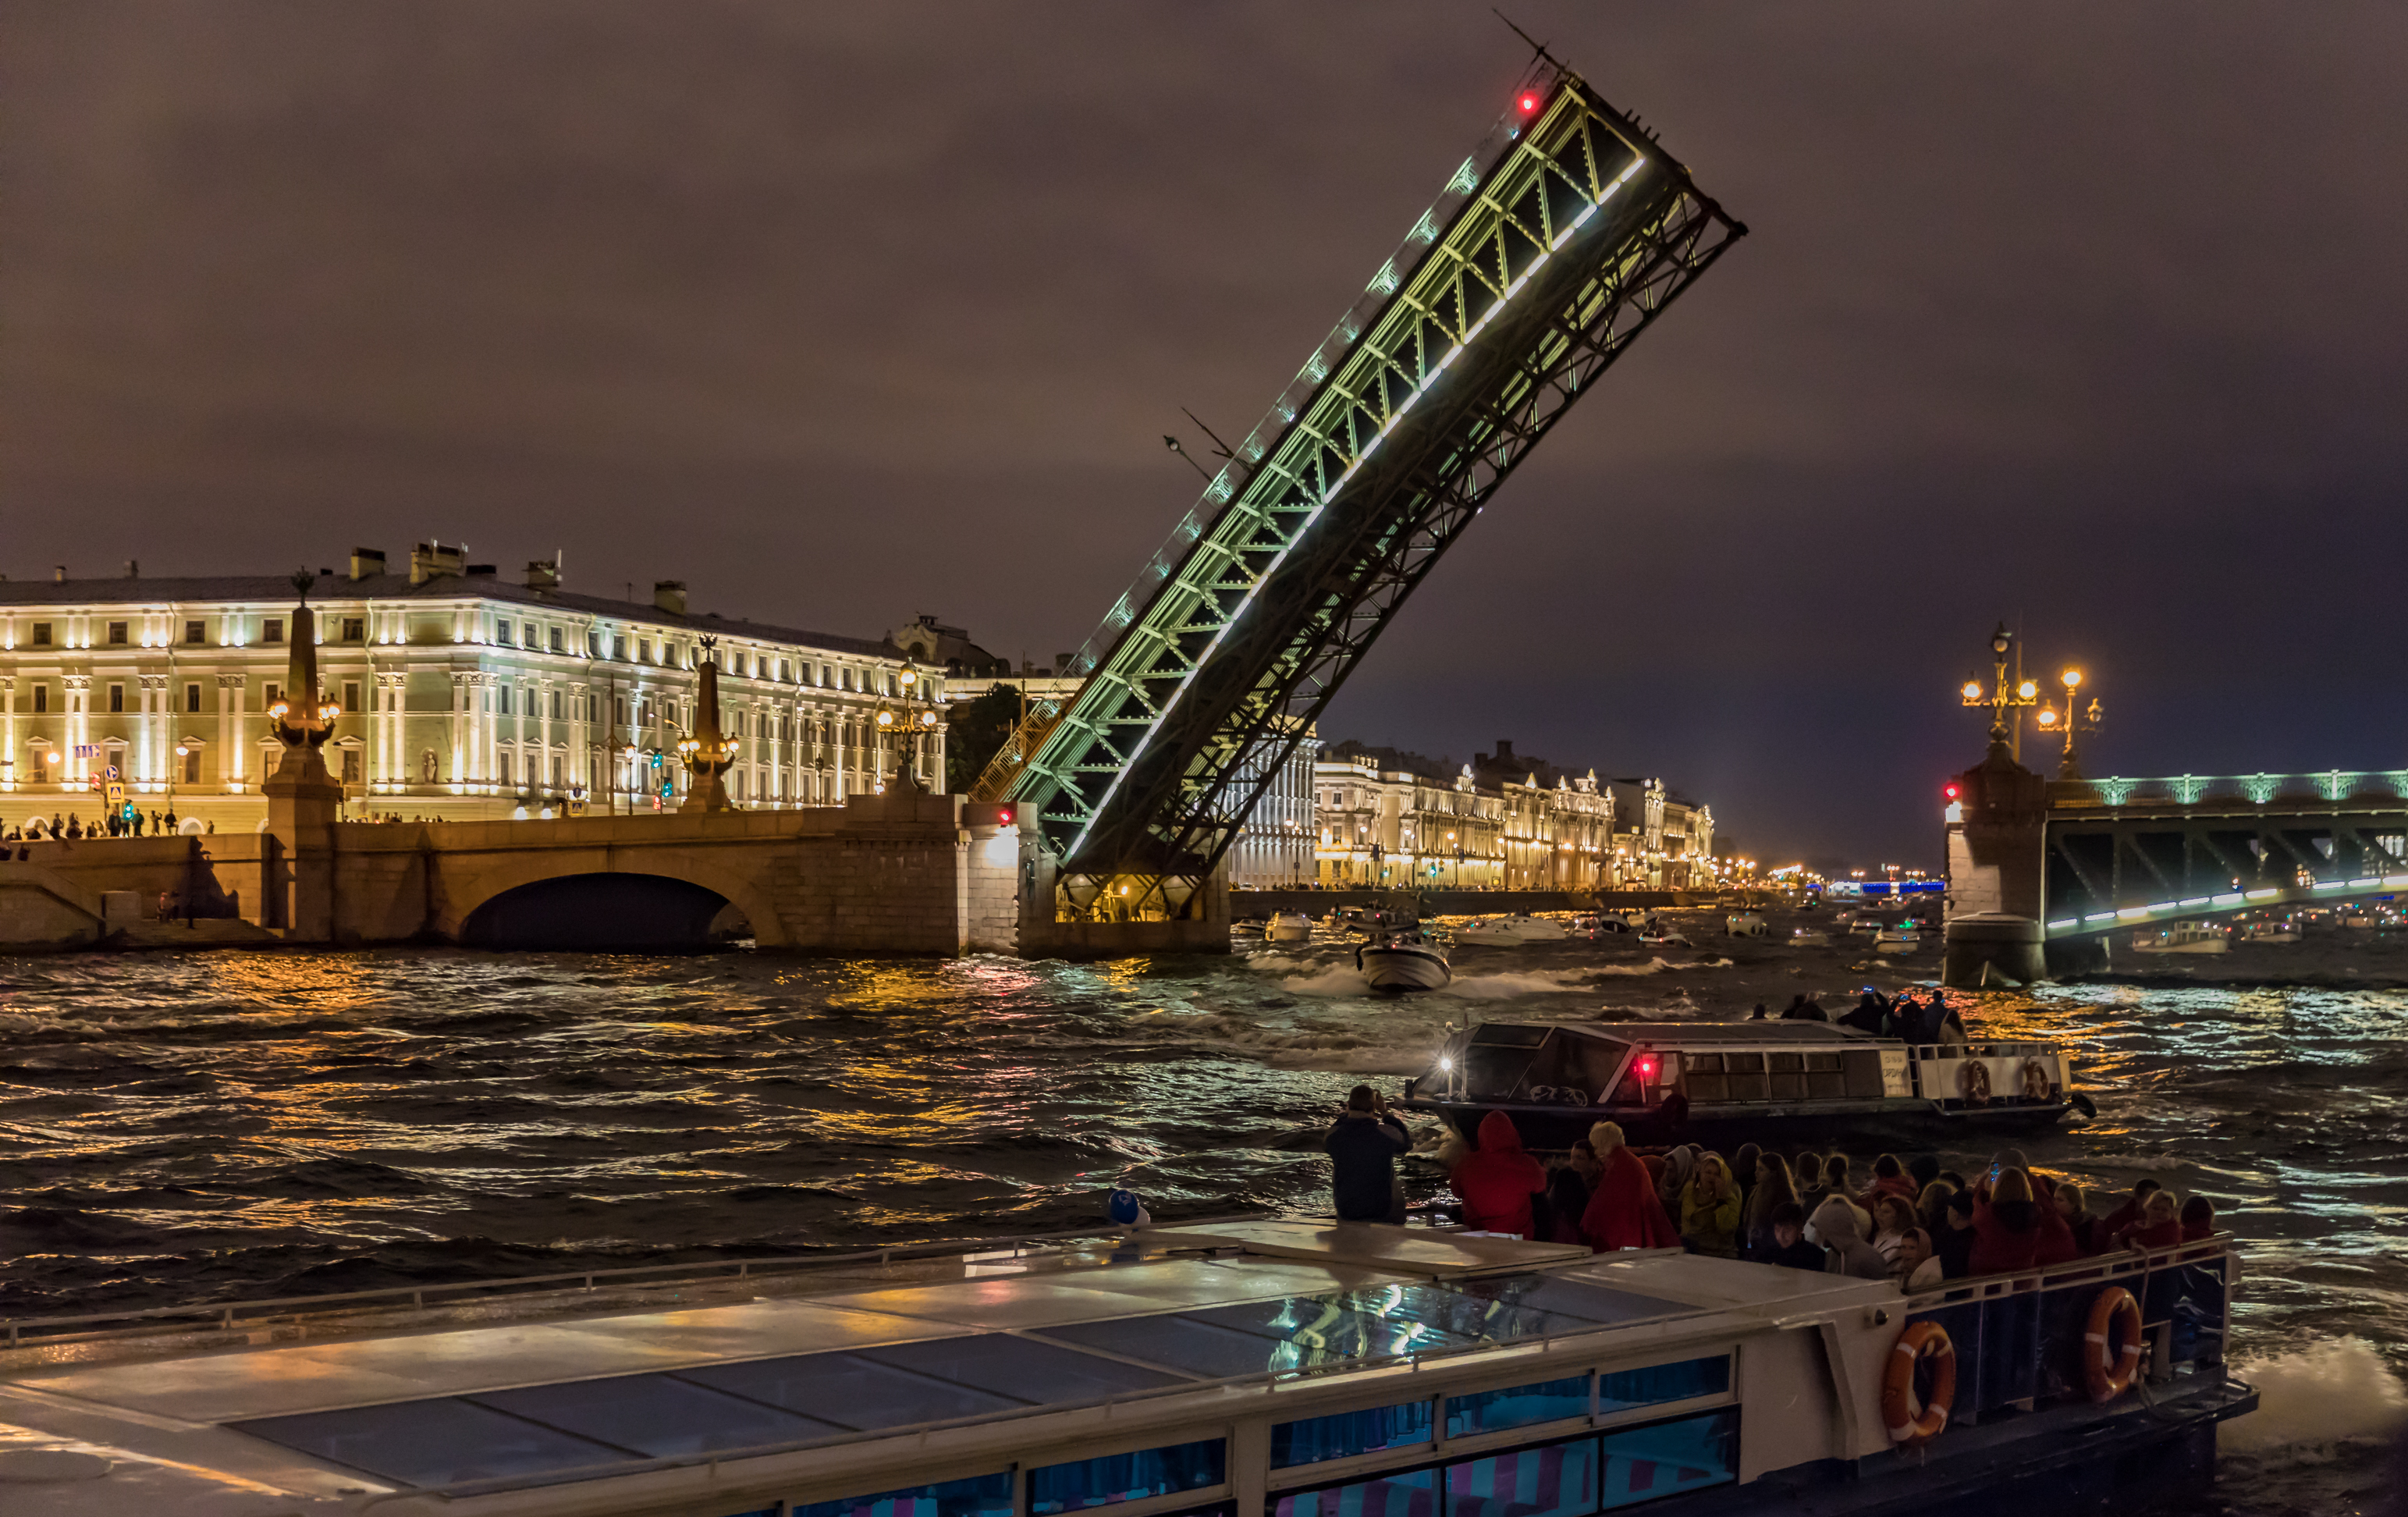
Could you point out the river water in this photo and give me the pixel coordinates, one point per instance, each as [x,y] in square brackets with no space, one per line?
[181,1126]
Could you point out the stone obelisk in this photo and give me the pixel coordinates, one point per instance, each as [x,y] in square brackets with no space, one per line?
[708,752]
[304,801]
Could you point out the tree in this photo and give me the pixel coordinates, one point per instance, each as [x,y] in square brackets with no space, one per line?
[975,733]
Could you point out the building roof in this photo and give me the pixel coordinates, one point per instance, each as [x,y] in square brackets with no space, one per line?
[273,588]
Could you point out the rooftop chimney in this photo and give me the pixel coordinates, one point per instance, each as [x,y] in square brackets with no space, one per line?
[60,574]
[542,574]
[367,563]
[134,569]
[433,561]
[669,596]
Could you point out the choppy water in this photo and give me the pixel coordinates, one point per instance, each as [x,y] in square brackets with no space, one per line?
[180,1127]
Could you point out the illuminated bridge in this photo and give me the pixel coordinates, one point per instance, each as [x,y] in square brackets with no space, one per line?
[2085,857]
[1561,238]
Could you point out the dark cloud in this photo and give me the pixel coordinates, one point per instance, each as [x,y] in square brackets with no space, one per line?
[2090,316]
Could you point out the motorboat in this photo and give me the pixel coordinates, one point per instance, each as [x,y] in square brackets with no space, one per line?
[1865,925]
[1745,924]
[2184,937]
[1904,934]
[1289,928]
[1810,937]
[1599,925]
[1727,1081]
[1655,935]
[1277,1367]
[2272,932]
[1511,932]
[1403,960]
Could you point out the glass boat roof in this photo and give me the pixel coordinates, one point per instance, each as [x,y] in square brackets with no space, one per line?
[589,1425]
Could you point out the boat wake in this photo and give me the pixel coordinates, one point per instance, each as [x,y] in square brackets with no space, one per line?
[2316,1402]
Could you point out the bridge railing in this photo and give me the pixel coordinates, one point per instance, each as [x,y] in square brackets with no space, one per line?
[2328,787]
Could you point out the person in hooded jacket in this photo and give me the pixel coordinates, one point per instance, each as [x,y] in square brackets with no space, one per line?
[1624,1210]
[2006,1226]
[1567,1201]
[1674,1177]
[1834,1226]
[1497,1180]
[1890,1179]
[1363,1145]
[1710,1209]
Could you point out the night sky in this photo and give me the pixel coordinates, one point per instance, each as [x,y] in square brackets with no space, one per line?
[2090,317]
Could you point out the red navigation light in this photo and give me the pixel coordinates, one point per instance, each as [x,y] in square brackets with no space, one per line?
[1003,818]
[1529,102]
[1950,792]
[1647,1068]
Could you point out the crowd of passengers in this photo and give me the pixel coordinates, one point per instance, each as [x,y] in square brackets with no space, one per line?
[1907,1220]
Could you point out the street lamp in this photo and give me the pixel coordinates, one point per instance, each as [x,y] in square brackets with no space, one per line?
[2003,697]
[2072,722]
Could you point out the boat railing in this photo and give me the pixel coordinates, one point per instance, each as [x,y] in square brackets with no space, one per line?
[232,1314]
[2020,1339]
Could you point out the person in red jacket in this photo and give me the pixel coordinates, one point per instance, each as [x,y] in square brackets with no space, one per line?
[2006,1226]
[2158,1227]
[1624,1210]
[1890,1179]
[1495,1181]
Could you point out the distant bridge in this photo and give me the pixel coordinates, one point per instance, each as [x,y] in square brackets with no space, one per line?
[2085,857]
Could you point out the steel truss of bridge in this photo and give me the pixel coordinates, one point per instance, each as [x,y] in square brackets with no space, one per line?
[2132,853]
[1558,242]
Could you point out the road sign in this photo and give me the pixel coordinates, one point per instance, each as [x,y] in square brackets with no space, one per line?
[87,750]
[116,796]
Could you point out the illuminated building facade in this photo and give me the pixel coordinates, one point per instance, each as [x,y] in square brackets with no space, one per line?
[462,695]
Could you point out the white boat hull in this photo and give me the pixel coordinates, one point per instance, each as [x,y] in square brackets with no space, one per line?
[2197,945]
[1404,969]
[1295,928]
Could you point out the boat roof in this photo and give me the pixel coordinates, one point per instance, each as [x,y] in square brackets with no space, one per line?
[1663,1033]
[979,1355]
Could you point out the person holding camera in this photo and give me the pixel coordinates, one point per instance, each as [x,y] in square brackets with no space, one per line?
[1363,1145]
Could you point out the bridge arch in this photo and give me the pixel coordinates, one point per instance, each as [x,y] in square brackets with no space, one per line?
[622,880]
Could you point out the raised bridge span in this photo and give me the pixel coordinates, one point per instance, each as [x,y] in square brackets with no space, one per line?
[1563,237]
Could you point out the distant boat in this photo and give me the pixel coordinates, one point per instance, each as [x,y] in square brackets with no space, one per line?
[1902,936]
[1402,961]
[2188,938]
[2274,932]
[1659,936]
[1510,932]
[1745,924]
[1289,928]
[1810,937]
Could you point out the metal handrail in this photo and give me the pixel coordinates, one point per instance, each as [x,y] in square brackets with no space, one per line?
[223,1314]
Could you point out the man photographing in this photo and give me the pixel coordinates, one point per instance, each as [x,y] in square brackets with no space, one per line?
[1363,1145]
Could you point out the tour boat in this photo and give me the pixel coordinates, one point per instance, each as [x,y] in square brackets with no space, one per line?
[1289,928]
[1399,961]
[1269,1368]
[2184,937]
[1511,932]
[1745,924]
[1716,1082]
[2274,932]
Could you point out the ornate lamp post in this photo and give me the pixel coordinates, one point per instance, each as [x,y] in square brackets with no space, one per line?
[2070,722]
[2004,696]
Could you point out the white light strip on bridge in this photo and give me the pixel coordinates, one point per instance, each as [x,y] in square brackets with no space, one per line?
[1382,436]
[2196,900]
[2135,914]
[2070,922]
[2233,899]
[2260,895]
[2101,916]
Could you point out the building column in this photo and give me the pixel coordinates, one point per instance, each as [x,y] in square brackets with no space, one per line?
[9,778]
[77,723]
[456,729]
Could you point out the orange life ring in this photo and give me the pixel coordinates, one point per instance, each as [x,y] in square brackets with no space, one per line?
[1909,1422]
[2039,1069]
[1975,1078]
[2109,1370]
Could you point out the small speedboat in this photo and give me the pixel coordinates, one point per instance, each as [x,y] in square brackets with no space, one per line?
[1902,936]
[1598,924]
[1810,937]
[1745,924]
[1402,961]
[1289,928]
[2274,932]
[1657,935]
[1511,932]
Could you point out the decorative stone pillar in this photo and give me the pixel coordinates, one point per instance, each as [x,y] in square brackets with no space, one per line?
[297,860]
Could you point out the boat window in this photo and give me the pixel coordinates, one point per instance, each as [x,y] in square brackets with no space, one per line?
[656,1415]
[1657,1384]
[1572,1061]
[1498,1055]
[1017,1366]
[1788,1076]
[1412,1492]
[1558,1479]
[1745,1074]
[849,1391]
[1517,1406]
[1492,1317]
[1642,1464]
[983,1496]
[1348,1433]
[434,1442]
[1127,1477]
[1206,1349]
[1571,1298]
[1327,1329]
[1826,1076]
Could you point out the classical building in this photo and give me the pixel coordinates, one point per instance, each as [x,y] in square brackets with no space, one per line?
[1662,840]
[1274,846]
[462,695]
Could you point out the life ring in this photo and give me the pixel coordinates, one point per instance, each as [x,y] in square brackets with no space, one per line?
[1975,1080]
[1910,1422]
[2036,1073]
[2109,1369]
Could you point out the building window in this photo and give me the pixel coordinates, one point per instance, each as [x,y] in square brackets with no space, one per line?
[351,695]
[1349,1433]
[351,765]
[194,632]
[502,699]
[1127,1477]
[556,706]
[556,644]
[643,650]
[192,697]
[619,709]
[41,699]
[555,771]
[192,765]
[270,696]
[117,697]
[782,675]
[272,630]
[984,1496]
[117,633]
[355,629]
[502,632]
[41,635]
[502,767]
